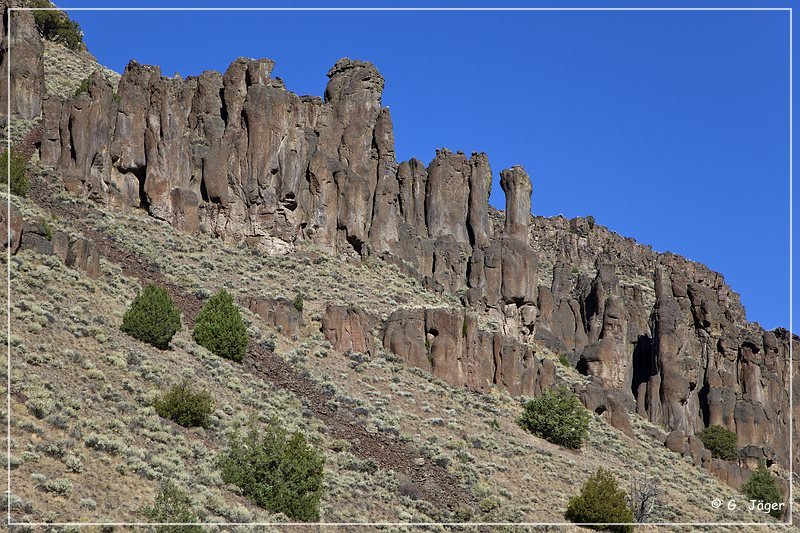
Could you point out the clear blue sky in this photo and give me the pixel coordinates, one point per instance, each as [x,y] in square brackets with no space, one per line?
[669,127]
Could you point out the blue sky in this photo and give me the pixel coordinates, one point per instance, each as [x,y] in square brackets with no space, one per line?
[668,127]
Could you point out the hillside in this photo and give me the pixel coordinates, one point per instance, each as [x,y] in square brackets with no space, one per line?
[97,386]
[394,319]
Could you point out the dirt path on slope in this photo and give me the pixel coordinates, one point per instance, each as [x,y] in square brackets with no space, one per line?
[434,483]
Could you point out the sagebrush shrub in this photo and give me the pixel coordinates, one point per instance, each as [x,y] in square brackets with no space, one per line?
[172,506]
[601,501]
[19,182]
[185,406]
[762,487]
[721,442]
[557,416]
[152,317]
[220,328]
[276,471]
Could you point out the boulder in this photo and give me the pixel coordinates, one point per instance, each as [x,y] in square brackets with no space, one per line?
[676,442]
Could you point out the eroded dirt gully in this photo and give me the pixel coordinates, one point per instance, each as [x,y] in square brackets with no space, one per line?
[435,484]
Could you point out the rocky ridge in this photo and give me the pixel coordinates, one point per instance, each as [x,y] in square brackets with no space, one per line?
[239,156]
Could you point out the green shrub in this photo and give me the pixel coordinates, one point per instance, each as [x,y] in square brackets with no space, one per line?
[762,487]
[152,317]
[276,472]
[298,302]
[220,327]
[564,361]
[185,406]
[172,505]
[20,184]
[83,87]
[48,229]
[601,501]
[557,416]
[590,221]
[720,441]
[55,25]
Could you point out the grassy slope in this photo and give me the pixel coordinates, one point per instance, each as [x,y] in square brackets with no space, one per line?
[95,382]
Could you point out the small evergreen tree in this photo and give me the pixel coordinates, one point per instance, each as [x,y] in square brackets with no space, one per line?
[55,25]
[20,184]
[720,441]
[298,301]
[185,406]
[601,501]
[220,327]
[276,472]
[762,487]
[557,416]
[152,317]
[172,506]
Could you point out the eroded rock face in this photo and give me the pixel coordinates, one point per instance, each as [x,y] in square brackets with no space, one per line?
[26,63]
[448,344]
[348,329]
[683,356]
[238,155]
[277,312]
[38,236]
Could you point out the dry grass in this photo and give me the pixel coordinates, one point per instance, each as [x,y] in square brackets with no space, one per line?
[64,70]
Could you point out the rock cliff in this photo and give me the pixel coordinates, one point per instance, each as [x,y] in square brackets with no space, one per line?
[239,156]
[24,64]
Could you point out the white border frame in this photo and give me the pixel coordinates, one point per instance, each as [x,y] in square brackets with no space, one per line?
[10,523]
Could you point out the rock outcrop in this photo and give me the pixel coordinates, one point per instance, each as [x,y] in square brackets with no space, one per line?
[349,329]
[24,63]
[448,344]
[11,228]
[37,235]
[666,335]
[240,156]
[279,313]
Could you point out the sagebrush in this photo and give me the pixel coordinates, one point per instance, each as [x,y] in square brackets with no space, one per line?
[185,406]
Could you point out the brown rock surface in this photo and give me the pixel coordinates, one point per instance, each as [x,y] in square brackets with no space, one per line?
[278,312]
[26,69]
[348,329]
